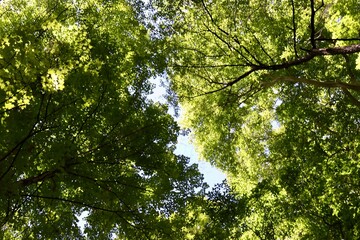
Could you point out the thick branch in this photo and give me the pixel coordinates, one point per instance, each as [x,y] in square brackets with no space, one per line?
[39,178]
[209,66]
[326,84]
[312,54]
[354,48]
[337,39]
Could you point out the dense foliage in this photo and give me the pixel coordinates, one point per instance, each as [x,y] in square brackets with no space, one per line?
[270,91]
[78,135]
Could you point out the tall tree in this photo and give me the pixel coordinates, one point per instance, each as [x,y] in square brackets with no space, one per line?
[77,132]
[270,90]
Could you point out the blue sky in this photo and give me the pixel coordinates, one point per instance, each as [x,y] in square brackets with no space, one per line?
[211,174]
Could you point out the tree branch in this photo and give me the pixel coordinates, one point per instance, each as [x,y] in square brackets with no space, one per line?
[93,207]
[294,27]
[312,24]
[348,67]
[337,39]
[345,50]
[327,84]
[209,66]
[351,97]
[263,49]
[39,178]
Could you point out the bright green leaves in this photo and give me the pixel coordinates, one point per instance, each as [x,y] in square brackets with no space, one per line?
[41,44]
[270,92]
[343,20]
[77,132]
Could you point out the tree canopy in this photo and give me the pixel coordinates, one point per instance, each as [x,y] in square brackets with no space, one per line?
[78,134]
[270,91]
